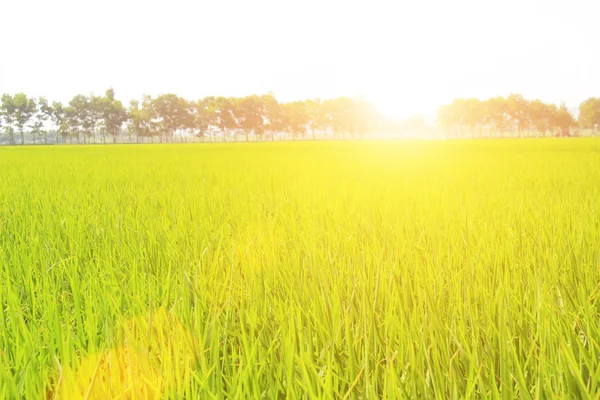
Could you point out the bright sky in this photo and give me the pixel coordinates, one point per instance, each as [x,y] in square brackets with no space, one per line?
[407,56]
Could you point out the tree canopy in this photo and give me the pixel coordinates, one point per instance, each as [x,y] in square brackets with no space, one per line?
[171,118]
[506,116]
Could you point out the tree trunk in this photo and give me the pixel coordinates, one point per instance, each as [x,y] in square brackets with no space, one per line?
[22,138]
[246,133]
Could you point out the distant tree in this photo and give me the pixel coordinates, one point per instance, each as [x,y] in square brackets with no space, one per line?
[474,116]
[511,114]
[589,114]
[81,117]
[42,115]
[273,115]
[317,119]
[58,117]
[73,123]
[201,116]
[173,114]
[7,113]
[95,114]
[223,111]
[517,110]
[113,115]
[296,118]
[496,114]
[563,120]
[340,114]
[24,109]
[135,122]
[250,115]
[540,116]
[463,115]
[143,121]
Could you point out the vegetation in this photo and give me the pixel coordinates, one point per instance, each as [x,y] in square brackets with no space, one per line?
[454,269]
[171,118]
[514,114]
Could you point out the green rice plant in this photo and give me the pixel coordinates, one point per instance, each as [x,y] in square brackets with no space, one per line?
[425,269]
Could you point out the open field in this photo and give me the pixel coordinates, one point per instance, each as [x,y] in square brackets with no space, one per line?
[292,270]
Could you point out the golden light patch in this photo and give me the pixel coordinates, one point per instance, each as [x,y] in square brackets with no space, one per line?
[155,359]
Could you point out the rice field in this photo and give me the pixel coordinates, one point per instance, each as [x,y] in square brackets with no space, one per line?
[334,270]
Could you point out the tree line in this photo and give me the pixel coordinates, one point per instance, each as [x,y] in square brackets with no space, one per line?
[171,118]
[516,116]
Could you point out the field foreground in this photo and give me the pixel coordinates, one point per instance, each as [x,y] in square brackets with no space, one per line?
[295,270]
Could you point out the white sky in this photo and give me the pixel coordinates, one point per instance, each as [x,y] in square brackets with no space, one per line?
[407,56]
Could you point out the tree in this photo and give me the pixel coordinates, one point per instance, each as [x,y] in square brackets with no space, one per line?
[58,117]
[465,113]
[273,115]
[80,117]
[517,110]
[142,119]
[73,123]
[113,115]
[95,113]
[250,115]
[589,114]
[42,115]
[172,112]
[540,115]
[340,115]
[201,116]
[317,119]
[563,121]
[136,120]
[7,112]
[514,114]
[496,115]
[296,118]
[23,111]
[223,112]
